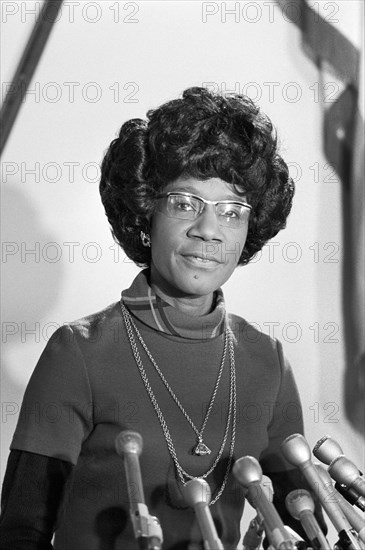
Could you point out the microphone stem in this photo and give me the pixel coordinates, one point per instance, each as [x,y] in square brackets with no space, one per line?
[351,496]
[317,538]
[209,532]
[134,481]
[353,517]
[337,516]
[275,530]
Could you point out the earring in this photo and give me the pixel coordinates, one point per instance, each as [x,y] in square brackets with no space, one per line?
[146,239]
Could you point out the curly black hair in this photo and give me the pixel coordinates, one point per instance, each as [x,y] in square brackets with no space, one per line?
[202,135]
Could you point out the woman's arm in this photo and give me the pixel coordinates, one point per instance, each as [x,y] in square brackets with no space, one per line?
[33,494]
[52,424]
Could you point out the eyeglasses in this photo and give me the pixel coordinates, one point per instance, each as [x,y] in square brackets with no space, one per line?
[186,206]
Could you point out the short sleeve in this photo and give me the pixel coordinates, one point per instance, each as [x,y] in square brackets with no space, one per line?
[287,417]
[56,413]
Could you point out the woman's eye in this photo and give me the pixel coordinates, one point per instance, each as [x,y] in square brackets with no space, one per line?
[185,206]
[231,214]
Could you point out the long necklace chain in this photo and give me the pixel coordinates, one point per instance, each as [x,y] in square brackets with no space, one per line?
[199,433]
[232,408]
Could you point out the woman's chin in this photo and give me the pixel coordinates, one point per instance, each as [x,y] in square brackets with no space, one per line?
[197,284]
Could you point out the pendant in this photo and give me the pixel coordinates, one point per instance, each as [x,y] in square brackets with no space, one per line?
[201,449]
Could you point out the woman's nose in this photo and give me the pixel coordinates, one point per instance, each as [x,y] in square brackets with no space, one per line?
[206,225]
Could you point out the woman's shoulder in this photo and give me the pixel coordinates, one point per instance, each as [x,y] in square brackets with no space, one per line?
[249,335]
[93,328]
[87,326]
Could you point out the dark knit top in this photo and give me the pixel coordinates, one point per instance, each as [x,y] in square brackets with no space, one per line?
[86,388]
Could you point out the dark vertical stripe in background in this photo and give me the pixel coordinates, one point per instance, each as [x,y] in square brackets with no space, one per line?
[343,143]
[27,66]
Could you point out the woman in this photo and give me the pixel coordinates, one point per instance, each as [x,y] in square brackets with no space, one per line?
[190,193]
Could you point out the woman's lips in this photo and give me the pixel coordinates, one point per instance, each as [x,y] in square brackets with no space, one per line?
[201,261]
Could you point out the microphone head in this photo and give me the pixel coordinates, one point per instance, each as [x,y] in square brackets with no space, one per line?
[128,442]
[327,449]
[299,501]
[343,470]
[196,491]
[296,450]
[247,470]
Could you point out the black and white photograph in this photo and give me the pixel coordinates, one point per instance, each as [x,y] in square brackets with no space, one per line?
[182,267]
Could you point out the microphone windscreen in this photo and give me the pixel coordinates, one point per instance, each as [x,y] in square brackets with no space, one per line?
[128,442]
[299,501]
[296,449]
[196,491]
[327,449]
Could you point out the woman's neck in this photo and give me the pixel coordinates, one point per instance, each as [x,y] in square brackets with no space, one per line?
[193,306]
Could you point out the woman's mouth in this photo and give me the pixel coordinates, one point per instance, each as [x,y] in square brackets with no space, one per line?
[200,261]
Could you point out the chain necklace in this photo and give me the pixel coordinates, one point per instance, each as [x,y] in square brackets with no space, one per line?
[201,448]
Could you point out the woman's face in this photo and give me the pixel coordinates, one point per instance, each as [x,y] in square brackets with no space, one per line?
[179,245]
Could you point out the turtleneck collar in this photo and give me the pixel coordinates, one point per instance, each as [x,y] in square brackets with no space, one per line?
[152,310]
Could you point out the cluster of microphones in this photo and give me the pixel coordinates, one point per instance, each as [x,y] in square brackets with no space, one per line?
[340,500]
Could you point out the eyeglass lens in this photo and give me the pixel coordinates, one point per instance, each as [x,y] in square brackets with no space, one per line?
[186,207]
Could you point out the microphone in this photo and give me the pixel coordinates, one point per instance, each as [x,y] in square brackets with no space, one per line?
[345,472]
[147,530]
[300,505]
[248,473]
[351,496]
[354,518]
[197,494]
[253,536]
[296,450]
[326,450]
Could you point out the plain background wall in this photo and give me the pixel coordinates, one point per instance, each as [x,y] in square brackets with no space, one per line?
[107,62]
